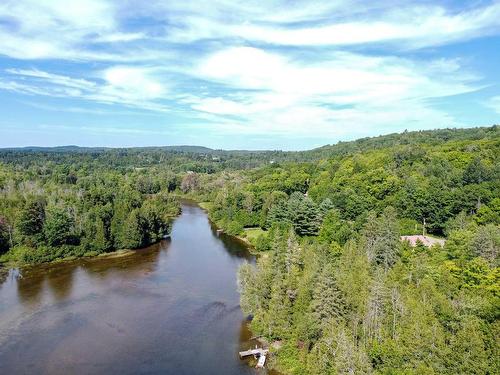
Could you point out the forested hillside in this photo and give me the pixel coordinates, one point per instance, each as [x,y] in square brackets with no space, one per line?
[335,290]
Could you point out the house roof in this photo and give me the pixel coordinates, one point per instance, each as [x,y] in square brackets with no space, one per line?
[425,240]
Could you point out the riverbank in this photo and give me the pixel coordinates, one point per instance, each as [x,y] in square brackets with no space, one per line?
[175,305]
[249,236]
[7,264]
[14,257]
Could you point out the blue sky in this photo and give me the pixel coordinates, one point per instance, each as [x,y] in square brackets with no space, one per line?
[243,74]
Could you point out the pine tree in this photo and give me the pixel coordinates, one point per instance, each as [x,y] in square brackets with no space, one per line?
[338,353]
[328,301]
[279,317]
[132,235]
[278,213]
[31,218]
[293,253]
[307,219]
[325,206]
[381,238]
[375,310]
[469,354]
[99,241]
[486,243]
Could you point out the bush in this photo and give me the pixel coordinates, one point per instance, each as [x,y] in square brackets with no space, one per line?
[262,243]
[234,228]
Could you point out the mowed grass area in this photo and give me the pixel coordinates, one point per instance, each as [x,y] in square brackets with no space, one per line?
[206,205]
[251,234]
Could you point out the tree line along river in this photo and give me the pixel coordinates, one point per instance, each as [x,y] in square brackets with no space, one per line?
[171,308]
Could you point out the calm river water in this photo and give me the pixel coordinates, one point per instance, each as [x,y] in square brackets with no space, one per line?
[172,308]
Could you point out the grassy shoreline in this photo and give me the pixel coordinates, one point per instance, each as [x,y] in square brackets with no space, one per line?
[9,264]
[249,234]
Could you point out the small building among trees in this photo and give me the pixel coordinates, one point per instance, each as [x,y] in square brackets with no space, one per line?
[425,240]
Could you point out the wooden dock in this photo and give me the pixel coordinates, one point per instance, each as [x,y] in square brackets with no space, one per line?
[257,353]
[261,362]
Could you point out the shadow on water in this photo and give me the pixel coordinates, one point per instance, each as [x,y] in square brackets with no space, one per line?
[171,308]
[233,245]
[137,263]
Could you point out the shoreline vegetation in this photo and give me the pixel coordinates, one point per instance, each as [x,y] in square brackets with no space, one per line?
[332,274]
[248,237]
[8,261]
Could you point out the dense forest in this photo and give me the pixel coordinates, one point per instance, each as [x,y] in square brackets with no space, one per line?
[54,209]
[335,290]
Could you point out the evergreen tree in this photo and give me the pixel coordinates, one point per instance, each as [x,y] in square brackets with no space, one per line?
[99,241]
[132,234]
[279,317]
[278,213]
[325,206]
[469,352]
[32,218]
[381,238]
[338,353]
[476,172]
[293,253]
[486,243]
[306,220]
[328,301]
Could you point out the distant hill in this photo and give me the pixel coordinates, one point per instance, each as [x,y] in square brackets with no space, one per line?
[342,147]
[73,148]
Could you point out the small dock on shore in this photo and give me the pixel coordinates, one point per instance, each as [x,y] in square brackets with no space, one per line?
[257,353]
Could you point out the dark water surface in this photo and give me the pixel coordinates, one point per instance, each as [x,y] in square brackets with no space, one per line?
[172,308]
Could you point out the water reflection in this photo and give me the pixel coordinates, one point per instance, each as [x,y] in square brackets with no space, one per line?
[60,280]
[30,286]
[170,308]
[135,264]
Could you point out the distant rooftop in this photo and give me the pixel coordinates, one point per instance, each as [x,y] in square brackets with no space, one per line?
[425,240]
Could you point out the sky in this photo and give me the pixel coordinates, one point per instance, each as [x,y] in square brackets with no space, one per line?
[233,74]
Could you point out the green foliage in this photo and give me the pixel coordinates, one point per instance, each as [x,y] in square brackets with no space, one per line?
[58,227]
[79,210]
[334,229]
[328,302]
[381,239]
[31,218]
[234,228]
[333,282]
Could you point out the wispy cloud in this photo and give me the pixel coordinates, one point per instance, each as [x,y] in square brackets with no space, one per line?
[405,24]
[248,67]
[272,92]
[130,86]
[494,104]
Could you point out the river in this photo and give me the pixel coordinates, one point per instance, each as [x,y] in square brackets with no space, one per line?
[172,308]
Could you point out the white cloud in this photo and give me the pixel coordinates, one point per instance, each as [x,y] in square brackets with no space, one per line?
[273,67]
[132,82]
[130,86]
[416,27]
[494,104]
[269,92]
[335,23]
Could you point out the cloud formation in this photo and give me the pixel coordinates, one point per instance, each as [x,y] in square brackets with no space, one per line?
[335,68]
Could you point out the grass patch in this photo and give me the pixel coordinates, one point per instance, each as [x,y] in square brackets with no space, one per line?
[253,233]
[206,205]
